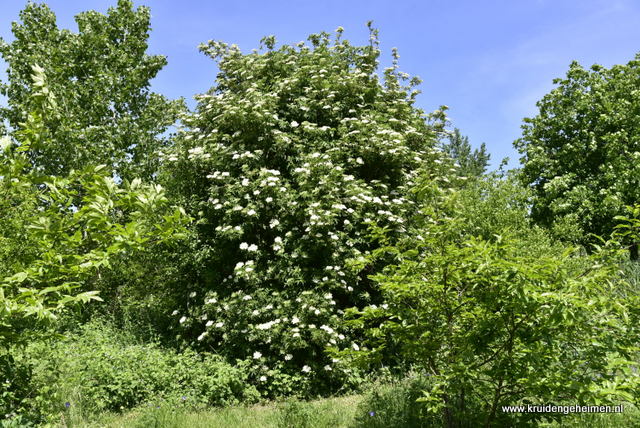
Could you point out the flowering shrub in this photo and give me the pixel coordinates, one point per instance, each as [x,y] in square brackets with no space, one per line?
[286,162]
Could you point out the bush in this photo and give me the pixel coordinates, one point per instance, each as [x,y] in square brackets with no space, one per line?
[504,320]
[101,369]
[396,405]
[284,164]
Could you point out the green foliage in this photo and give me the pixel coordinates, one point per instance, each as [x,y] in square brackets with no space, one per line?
[14,386]
[628,229]
[101,369]
[498,321]
[286,161]
[75,225]
[472,164]
[332,235]
[15,422]
[395,405]
[100,75]
[581,152]
[72,227]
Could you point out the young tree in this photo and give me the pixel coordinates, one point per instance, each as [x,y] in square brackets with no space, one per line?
[508,319]
[581,152]
[100,76]
[285,163]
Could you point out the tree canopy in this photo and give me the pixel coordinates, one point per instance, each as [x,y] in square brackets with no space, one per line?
[581,153]
[100,77]
[472,163]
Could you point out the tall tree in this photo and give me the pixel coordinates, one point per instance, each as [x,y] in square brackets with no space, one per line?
[472,163]
[100,77]
[581,153]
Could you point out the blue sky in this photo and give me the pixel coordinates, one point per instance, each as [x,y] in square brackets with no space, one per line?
[489,61]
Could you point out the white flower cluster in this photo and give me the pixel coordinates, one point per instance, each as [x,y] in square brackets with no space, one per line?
[268,325]
[218,175]
[198,153]
[251,248]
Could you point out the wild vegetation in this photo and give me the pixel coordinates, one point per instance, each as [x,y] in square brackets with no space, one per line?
[308,248]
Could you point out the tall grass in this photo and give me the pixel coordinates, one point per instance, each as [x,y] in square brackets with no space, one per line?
[328,413]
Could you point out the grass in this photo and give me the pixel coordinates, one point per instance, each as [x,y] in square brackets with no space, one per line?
[332,412]
[337,412]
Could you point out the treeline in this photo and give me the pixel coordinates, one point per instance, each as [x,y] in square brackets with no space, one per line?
[306,227]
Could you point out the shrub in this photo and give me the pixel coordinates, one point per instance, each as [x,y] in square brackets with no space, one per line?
[285,163]
[67,231]
[499,322]
[395,404]
[100,369]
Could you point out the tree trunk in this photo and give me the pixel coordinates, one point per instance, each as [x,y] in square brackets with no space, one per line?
[633,251]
